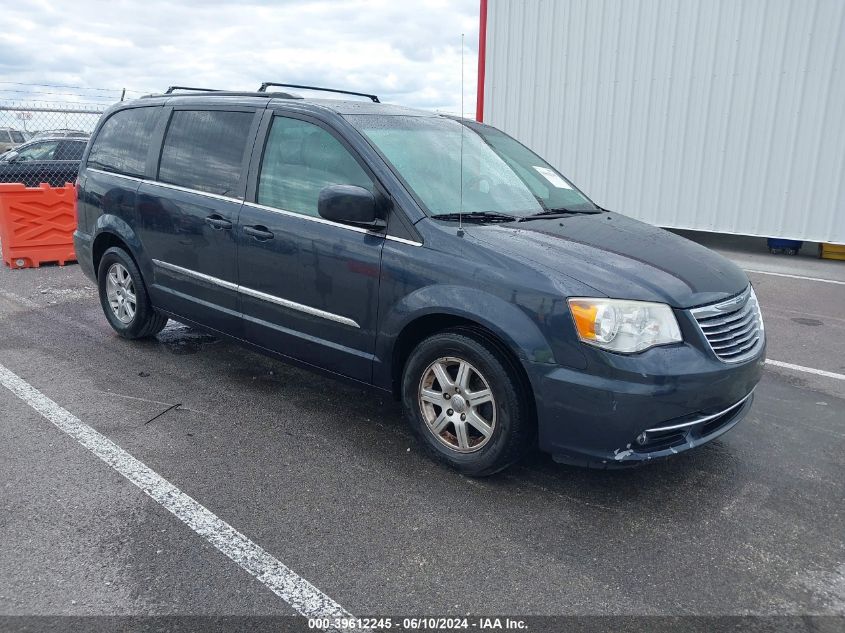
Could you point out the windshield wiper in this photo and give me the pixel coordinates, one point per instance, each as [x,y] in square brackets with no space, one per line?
[476,216]
[558,213]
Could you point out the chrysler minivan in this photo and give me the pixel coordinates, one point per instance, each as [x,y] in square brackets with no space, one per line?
[426,256]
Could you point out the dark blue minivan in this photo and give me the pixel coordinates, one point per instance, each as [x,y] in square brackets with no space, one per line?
[431,257]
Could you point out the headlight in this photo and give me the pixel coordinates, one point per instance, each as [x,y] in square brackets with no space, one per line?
[759,310]
[624,326]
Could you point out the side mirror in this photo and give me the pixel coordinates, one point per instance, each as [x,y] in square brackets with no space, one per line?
[350,205]
[11,157]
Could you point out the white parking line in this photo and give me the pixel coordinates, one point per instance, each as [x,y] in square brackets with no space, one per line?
[809,370]
[300,594]
[824,281]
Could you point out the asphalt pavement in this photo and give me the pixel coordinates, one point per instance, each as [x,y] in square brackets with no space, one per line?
[327,480]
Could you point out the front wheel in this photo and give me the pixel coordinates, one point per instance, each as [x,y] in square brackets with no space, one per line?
[124,298]
[465,401]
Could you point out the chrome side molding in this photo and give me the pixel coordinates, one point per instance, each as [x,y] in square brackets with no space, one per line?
[299,307]
[256,294]
[192,273]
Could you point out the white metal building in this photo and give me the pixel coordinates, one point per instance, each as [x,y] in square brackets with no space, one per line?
[717,115]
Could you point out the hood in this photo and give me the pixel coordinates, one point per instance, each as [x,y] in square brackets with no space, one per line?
[621,258]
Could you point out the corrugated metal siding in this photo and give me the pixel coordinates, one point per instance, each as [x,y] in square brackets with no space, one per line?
[718,115]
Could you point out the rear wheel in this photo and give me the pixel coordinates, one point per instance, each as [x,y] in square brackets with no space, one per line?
[464,401]
[124,298]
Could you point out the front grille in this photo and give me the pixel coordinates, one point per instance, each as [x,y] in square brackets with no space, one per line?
[733,327]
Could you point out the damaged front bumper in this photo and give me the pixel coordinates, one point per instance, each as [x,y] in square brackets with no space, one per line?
[627,410]
[678,436]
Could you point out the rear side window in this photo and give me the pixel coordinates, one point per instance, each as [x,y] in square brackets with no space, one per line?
[17,137]
[204,150]
[121,146]
[69,150]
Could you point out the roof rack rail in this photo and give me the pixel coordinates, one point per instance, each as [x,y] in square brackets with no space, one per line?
[267,84]
[202,92]
[171,89]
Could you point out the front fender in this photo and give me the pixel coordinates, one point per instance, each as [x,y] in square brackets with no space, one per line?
[506,320]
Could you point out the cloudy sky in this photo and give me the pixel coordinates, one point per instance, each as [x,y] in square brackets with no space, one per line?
[406,51]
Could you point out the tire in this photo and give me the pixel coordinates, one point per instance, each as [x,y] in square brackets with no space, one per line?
[126,283]
[475,363]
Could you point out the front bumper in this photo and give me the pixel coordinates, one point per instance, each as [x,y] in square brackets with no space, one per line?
[625,410]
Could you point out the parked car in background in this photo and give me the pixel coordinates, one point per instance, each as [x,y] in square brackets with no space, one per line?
[51,160]
[59,134]
[10,138]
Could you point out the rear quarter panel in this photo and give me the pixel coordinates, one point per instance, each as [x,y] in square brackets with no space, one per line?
[107,204]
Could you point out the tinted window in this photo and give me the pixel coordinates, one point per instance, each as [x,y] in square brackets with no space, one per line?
[69,150]
[300,159]
[121,146]
[205,149]
[17,137]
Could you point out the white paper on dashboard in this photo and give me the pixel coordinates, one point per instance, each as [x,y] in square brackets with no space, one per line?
[552,177]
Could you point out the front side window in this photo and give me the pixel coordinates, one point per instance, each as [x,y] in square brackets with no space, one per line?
[17,137]
[300,159]
[122,143]
[452,167]
[37,151]
[204,150]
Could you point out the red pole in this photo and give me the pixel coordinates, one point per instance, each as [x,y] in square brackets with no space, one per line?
[482,58]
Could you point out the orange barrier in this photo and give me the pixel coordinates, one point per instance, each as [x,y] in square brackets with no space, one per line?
[37,224]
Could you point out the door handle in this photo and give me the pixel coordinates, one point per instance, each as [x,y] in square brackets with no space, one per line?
[259,232]
[218,223]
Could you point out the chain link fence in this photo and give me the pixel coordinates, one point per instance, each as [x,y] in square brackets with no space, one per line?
[43,142]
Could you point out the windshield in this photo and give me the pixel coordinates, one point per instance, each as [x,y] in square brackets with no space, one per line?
[499,174]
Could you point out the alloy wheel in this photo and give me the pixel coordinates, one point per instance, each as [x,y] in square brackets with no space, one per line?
[120,291]
[457,404]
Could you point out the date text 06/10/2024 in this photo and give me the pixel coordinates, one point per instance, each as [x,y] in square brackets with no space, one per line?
[417,624]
